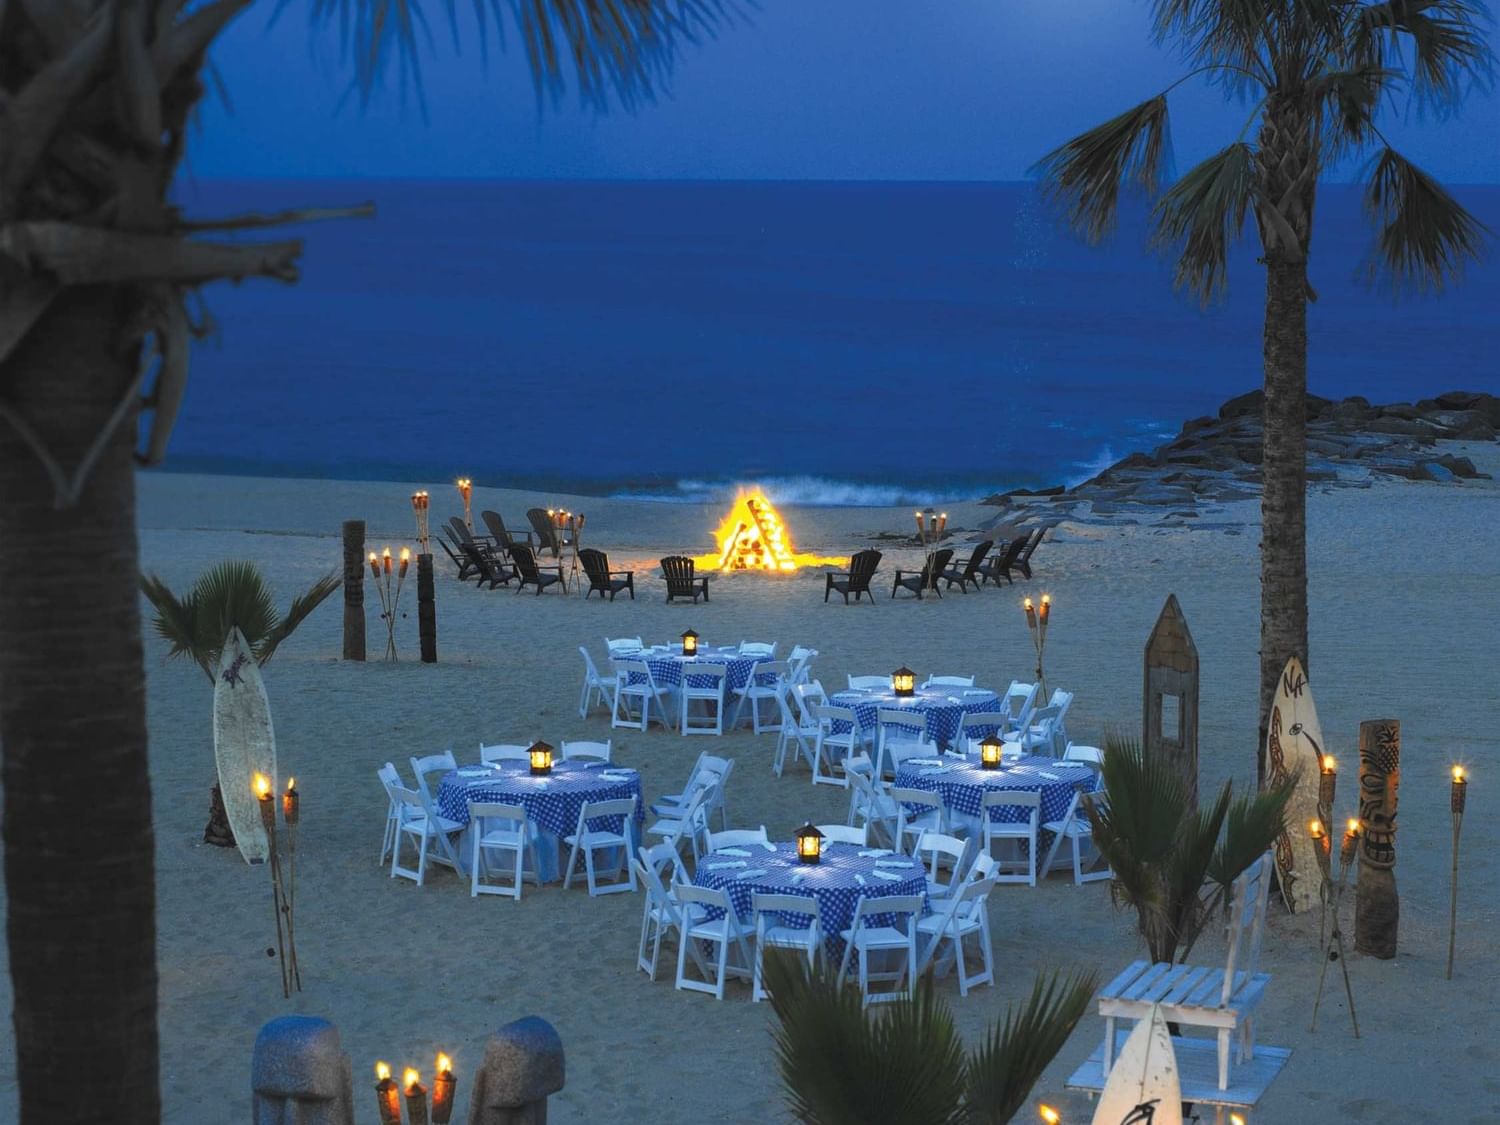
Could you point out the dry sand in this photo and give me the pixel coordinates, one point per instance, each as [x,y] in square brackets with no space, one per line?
[1404,624]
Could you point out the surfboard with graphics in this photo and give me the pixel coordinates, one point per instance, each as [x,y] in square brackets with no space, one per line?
[244,743]
[1294,746]
[1144,1084]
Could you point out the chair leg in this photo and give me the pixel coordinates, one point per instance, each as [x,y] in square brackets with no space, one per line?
[1224,1034]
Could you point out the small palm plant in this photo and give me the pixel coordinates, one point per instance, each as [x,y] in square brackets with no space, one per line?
[908,1066]
[1174,864]
[231,595]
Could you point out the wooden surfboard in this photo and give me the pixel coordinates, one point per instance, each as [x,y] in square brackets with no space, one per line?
[1294,745]
[244,743]
[1144,1085]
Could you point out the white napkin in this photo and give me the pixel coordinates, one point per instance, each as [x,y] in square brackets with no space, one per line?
[722,866]
[860,879]
[769,847]
[892,863]
[751,874]
[935,769]
[733,851]
[1049,776]
[618,775]
[875,851]
[924,761]
[978,691]
[800,873]
[886,875]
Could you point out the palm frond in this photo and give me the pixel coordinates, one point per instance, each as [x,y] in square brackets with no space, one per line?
[839,1068]
[1202,215]
[1085,175]
[1251,828]
[176,621]
[296,613]
[607,49]
[1350,99]
[1004,1068]
[1215,31]
[1449,51]
[1424,236]
[1184,875]
[234,595]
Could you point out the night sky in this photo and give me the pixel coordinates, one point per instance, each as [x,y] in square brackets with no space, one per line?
[809,89]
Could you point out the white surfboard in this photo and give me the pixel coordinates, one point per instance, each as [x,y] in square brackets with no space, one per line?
[244,743]
[1294,744]
[1144,1084]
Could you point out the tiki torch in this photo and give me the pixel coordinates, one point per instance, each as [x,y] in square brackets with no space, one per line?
[443,1086]
[416,1097]
[420,503]
[261,784]
[1036,624]
[466,490]
[291,813]
[1457,797]
[387,1095]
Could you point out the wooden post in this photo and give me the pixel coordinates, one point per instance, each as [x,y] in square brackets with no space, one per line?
[354,589]
[426,610]
[1171,670]
[1377,907]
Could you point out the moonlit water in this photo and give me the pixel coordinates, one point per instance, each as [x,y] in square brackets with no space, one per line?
[841,343]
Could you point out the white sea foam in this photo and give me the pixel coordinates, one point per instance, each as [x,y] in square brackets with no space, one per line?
[1092,467]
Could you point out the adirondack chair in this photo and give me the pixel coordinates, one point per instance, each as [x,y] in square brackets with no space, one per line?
[462,534]
[601,578]
[1223,1000]
[1023,561]
[855,580]
[504,538]
[927,578]
[532,574]
[1003,560]
[490,569]
[456,553]
[548,536]
[682,582]
[969,572]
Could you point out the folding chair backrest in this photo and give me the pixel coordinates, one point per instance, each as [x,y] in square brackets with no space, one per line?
[637,671]
[589,667]
[808,696]
[431,763]
[831,713]
[627,644]
[873,906]
[1247,924]
[757,648]
[803,908]
[900,724]
[948,681]
[924,797]
[656,891]
[658,858]
[737,837]
[620,809]
[1018,700]
[705,896]
[978,725]
[481,811]
[860,683]
[1089,755]
[504,752]
[388,775]
[799,660]
[1062,700]
[1012,798]
[936,845]
[770,672]
[592,751]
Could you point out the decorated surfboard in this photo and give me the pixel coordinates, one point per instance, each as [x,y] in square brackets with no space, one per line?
[244,743]
[1294,745]
[1143,1088]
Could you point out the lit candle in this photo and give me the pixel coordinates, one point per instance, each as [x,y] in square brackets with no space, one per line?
[387,1096]
[385,559]
[374,565]
[443,1085]
[416,1097]
[290,801]
[1460,792]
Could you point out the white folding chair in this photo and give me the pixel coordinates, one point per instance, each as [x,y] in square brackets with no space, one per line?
[737,837]
[1044,732]
[422,827]
[784,922]
[758,648]
[801,662]
[504,752]
[1076,828]
[586,751]
[792,732]
[964,915]
[389,778]
[661,913]
[718,797]
[709,691]
[634,684]
[1089,755]
[1022,834]
[869,937]
[596,687]
[500,829]
[977,725]
[937,853]
[831,748]
[948,681]
[1017,704]
[710,772]
[764,685]
[431,764]
[869,683]
[929,816]
[588,840]
[902,733]
[689,823]
[617,645]
[726,932]
[870,807]
[844,834]
[667,803]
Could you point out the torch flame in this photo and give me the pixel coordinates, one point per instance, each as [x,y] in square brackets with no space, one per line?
[262,785]
[1329,764]
[444,1063]
[1458,773]
[382,1071]
[752,537]
[410,1079]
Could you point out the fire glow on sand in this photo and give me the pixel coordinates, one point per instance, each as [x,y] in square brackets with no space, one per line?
[752,537]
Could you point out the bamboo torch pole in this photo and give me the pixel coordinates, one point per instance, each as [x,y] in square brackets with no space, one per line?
[1457,799]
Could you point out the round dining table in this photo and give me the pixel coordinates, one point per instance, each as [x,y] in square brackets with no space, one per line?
[552,801]
[668,665]
[943,707]
[845,874]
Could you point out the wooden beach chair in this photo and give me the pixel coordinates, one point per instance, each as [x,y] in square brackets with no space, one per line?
[1023,561]
[969,572]
[532,574]
[488,567]
[548,537]
[927,578]
[1003,561]
[603,580]
[855,580]
[456,553]
[504,538]
[682,580]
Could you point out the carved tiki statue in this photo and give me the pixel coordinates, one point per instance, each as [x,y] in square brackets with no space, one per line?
[1377,907]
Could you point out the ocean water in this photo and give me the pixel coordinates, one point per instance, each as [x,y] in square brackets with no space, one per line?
[843,343]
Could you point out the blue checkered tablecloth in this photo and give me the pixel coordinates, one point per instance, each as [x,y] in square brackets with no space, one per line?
[962,787]
[944,708]
[669,668]
[835,883]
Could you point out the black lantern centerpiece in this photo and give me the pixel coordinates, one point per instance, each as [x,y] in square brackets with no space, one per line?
[990,750]
[541,757]
[809,844]
[690,643]
[903,681]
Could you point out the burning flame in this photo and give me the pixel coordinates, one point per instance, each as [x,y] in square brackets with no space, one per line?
[444,1064]
[382,1071]
[752,537]
[262,785]
[410,1079]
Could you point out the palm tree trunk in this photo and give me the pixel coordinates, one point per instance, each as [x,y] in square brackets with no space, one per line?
[79,863]
[1283,508]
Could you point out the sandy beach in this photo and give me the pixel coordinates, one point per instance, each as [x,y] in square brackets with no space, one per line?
[1404,624]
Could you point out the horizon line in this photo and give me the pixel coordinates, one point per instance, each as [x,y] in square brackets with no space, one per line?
[188,177]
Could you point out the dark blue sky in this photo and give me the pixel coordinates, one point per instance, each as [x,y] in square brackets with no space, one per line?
[812,89]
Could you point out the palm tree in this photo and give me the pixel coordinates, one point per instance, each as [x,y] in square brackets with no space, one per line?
[1172,862]
[908,1066]
[232,595]
[95,269]
[1316,75]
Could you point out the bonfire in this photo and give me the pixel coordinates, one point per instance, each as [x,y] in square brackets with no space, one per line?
[752,537]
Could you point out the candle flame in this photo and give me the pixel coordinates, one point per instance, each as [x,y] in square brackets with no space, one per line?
[382,1071]
[1236,1119]
[1329,764]
[1049,1115]
[291,784]
[1027,604]
[444,1063]
[386,553]
[1046,599]
[1315,828]
[372,556]
[1458,775]
[406,554]
[1353,826]
[261,784]
[410,1079]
